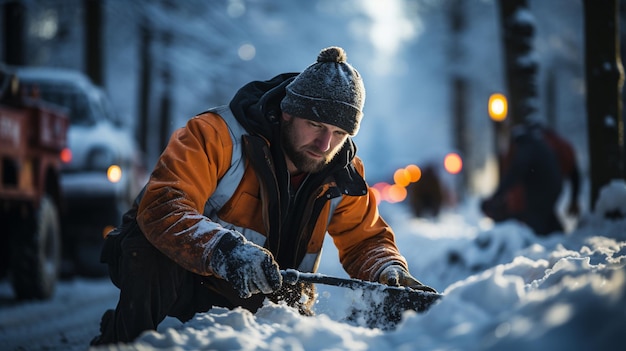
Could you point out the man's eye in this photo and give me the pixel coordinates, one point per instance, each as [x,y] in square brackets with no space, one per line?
[316,125]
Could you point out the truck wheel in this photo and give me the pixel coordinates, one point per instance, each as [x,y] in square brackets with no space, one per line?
[36,256]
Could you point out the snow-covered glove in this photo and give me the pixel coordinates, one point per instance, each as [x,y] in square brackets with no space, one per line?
[396,275]
[250,268]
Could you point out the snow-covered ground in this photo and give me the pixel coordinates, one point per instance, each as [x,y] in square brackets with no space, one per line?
[66,322]
[505,289]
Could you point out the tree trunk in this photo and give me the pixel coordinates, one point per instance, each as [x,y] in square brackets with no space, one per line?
[520,67]
[94,64]
[166,95]
[145,84]
[604,76]
[459,91]
[14,33]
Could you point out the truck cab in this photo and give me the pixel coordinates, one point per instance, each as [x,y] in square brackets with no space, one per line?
[32,135]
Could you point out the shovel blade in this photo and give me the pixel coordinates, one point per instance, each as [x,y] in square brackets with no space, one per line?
[383,307]
[380,306]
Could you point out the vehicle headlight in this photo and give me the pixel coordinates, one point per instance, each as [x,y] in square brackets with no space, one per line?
[114,173]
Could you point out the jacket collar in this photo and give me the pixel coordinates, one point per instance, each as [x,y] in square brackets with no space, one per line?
[257,105]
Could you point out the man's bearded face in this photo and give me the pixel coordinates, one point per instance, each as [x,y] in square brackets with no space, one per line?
[310,145]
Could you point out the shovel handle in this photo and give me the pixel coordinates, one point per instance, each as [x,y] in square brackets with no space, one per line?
[292,276]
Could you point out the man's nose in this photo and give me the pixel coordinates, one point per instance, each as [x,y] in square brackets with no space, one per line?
[323,140]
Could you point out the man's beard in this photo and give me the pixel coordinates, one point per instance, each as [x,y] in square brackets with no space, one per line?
[300,159]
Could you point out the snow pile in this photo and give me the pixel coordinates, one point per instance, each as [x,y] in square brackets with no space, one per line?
[505,289]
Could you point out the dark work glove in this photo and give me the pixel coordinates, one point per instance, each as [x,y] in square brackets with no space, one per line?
[396,275]
[573,209]
[250,268]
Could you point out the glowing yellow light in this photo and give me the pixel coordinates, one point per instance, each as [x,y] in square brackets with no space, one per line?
[415,173]
[498,107]
[397,193]
[453,163]
[402,177]
[114,173]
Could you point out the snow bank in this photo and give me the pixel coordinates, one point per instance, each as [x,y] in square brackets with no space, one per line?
[505,289]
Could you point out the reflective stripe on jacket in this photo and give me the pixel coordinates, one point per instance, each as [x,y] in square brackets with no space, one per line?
[203,185]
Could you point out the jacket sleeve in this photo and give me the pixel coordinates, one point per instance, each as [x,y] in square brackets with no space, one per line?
[366,243]
[186,174]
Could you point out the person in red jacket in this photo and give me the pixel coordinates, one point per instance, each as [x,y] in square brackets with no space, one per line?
[534,170]
[245,190]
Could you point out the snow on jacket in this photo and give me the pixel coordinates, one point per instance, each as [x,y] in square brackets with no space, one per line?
[225,171]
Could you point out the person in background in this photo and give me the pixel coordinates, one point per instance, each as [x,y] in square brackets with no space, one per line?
[244,191]
[428,195]
[569,166]
[530,183]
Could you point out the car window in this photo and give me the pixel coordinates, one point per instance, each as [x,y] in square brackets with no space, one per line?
[104,107]
[74,100]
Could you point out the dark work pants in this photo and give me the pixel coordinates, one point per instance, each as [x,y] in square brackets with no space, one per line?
[151,287]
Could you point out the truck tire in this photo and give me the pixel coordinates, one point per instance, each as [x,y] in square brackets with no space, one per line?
[36,257]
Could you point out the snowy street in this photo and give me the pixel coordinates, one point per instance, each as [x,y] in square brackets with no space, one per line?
[66,322]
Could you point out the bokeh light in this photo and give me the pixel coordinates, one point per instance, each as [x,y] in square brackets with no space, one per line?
[246,52]
[114,173]
[415,173]
[402,177]
[453,163]
[498,107]
[396,193]
[66,155]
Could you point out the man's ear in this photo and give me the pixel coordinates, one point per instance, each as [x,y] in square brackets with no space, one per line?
[286,116]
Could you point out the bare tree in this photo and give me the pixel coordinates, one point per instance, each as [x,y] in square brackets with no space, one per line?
[14,32]
[93,49]
[145,82]
[605,77]
[521,68]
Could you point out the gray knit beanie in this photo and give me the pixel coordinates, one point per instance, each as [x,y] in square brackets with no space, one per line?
[329,91]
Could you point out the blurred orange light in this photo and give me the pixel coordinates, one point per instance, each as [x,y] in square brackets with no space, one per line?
[114,173]
[498,107]
[397,193]
[453,163]
[402,177]
[66,155]
[415,173]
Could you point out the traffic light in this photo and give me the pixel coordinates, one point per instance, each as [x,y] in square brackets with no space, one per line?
[498,107]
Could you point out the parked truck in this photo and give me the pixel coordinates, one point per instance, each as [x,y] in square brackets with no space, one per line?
[32,135]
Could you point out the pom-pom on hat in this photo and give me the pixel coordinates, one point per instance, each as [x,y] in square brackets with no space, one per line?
[329,91]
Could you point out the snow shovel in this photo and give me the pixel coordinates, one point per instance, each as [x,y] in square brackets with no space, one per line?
[382,305]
